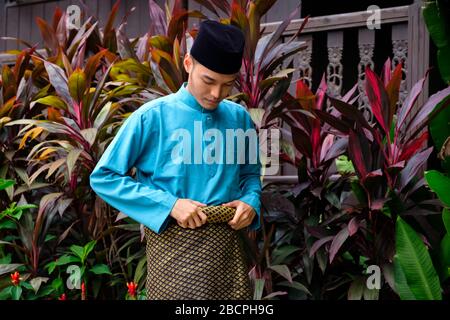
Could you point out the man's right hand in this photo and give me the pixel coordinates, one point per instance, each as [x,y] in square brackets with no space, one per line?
[188,213]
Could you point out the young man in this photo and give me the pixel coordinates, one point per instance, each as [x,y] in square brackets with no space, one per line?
[197,163]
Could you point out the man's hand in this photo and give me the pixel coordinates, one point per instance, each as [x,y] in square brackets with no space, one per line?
[244,214]
[188,213]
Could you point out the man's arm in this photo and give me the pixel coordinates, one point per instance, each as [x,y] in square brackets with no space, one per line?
[146,205]
[250,179]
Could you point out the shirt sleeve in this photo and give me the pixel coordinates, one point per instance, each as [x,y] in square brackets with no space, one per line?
[250,178]
[110,181]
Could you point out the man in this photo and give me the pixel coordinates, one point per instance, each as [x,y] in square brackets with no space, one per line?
[188,178]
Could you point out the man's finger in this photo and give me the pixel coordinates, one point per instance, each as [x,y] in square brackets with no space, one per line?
[198,222]
[198,203]
[236,218]
[191,223]
[232,204]
[202,215]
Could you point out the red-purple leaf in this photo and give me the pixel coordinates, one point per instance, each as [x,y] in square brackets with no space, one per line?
[393,90]
[413,147]
[338,147]
[112,16]
[158,25]
[412,167]
[350,112]
[332,121]
[208,5]
[48,34]
[316,246]
[354,149]
[320,93]
[59,81]
[353,226]
[428,107]
[337,243]
[386,72]
[378,99]
[410,100]
[349,94]
[301,142]
[374,174]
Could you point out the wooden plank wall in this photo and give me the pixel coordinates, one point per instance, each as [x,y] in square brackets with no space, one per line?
[19,21]
[279,11]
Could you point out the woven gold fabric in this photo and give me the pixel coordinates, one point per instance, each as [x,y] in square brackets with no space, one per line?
[201,263]
[217,214]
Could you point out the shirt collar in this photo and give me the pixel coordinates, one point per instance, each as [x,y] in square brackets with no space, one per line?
[185,96]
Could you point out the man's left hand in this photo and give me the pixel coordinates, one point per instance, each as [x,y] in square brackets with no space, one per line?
[244,214]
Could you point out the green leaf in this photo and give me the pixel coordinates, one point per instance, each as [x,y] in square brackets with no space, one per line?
[102,115]
[444,63]
[282,270]
[333,199]
[444,256]
[77,84]
[283,74]
[344,165]
[7,224]
[257,115]
[16,292]
[446,219]
[440,184]
[416,264]
[49,237]
[356,290]
[440,126]
[37,282]
[100,269]
[7,268]
[78,251]
[6,293]
[89,135]
[295,285]
[52,101]
[6,183]
[56,284]
[88,248]
[359,192]
[259,288]
[65,259]
[401,286]
[72,159]
[280,253]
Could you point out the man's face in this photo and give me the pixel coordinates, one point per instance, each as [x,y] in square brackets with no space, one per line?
[208,87]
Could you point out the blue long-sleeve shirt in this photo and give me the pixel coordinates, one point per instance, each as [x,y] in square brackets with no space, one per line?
[179,150]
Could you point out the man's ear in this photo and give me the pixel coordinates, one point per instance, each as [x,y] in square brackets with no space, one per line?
[188,63]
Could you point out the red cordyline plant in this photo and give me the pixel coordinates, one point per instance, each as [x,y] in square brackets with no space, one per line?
[313,147]
[388,160]
[73,106]
[392,147]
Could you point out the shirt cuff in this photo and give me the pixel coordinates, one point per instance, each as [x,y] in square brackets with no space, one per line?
[255,203]
[163,220]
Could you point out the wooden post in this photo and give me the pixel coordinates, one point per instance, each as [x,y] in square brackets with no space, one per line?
[2,24]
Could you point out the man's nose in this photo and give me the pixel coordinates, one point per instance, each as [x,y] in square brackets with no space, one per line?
[215,92]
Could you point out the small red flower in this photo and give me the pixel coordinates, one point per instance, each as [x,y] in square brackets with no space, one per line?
[62,297]
[15,278]
[132,288]
[83,291]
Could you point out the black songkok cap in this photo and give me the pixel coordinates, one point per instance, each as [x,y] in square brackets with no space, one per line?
[219,47]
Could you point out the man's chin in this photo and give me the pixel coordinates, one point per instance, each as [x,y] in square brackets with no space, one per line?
[210,105]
